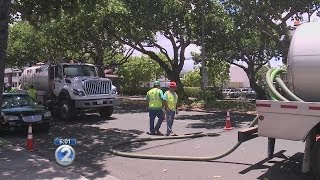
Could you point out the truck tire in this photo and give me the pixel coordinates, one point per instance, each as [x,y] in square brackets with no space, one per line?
[106,111]
[315,159]
[66,109]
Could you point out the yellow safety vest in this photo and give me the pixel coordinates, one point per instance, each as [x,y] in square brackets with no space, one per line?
[172,99]
[32,93]
[154,96]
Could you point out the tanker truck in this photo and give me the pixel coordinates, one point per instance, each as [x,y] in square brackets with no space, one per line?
[69,89]
[293,113]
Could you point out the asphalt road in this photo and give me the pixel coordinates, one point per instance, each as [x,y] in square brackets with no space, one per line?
[95,135]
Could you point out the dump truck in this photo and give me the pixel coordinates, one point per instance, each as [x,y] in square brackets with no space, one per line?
[70,89]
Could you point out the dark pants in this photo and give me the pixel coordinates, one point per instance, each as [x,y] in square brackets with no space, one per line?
[153,113]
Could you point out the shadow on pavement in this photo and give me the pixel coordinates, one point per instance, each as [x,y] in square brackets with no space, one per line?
[19,164]
[131,106]
[91,149]
[216,120]
[281,167]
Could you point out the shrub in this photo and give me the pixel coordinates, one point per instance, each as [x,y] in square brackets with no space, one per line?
[194,92]
[137,91]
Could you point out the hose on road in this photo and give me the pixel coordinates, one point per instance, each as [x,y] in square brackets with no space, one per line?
[177,158]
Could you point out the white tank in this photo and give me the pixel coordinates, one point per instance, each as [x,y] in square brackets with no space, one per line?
[37,76]
[304,62]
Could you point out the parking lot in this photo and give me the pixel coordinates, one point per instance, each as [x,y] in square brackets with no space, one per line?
[95,135]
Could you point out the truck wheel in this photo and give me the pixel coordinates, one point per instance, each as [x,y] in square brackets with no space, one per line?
[106,111]
[66,109]
[315,159]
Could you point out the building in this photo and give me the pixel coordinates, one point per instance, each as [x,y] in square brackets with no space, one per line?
[12,76]
[238,78]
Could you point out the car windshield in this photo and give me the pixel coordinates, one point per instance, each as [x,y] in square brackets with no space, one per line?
[79,70]
[11,101]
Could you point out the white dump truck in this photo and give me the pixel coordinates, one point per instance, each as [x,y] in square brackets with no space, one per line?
[294,111]
[71,88]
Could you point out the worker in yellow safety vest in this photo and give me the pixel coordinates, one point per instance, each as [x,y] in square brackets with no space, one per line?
[171,100]
[32,92]
[155,104]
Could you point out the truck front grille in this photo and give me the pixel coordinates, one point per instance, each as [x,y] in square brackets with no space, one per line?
[97,87]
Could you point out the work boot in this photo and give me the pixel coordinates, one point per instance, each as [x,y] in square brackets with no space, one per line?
[158,132]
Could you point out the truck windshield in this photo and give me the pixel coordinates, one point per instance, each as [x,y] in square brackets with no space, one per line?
[79,70]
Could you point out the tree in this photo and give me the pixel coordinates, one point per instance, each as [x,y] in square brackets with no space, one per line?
[192,79]
[261,78]
[138,71]
[218,70]
[4,22]
[24,45]
[139,22]
[253,34]
[73,29]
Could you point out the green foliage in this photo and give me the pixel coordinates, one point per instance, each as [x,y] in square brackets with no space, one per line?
[208,97]
[261,78]
[192,79]
[25,45]
[134,91]
[194,92]
[218,71]
[138,71]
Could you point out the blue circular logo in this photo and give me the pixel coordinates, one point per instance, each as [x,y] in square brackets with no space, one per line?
[65,155]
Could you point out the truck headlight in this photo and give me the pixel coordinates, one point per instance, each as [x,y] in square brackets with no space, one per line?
[77,92]
[10,118]
[47,114]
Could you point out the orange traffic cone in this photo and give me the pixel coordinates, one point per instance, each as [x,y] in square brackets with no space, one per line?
[30,139]
[228,122]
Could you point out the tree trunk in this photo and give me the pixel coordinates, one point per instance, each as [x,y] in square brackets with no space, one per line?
[261,94]
[4,21]
[175,76]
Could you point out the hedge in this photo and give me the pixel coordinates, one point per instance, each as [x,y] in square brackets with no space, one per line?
[194,92]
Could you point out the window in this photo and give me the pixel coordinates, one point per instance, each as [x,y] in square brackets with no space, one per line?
[57,72]
[79,70]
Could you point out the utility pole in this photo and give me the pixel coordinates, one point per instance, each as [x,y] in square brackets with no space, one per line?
[204,73]
[4,23]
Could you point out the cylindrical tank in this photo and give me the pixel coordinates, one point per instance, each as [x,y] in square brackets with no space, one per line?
[304,62]
[37,76]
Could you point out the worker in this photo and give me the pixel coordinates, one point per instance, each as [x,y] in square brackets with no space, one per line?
[155,105]
[171,106]
[9,88]
[32,92]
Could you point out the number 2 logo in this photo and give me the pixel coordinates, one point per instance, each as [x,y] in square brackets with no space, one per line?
[65,155]
[66,158]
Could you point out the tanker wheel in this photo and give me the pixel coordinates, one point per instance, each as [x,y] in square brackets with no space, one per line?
[315,159]
[66,109]
[106,111]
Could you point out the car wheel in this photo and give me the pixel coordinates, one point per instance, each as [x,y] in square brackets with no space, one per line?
[66,109]
[106,111]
